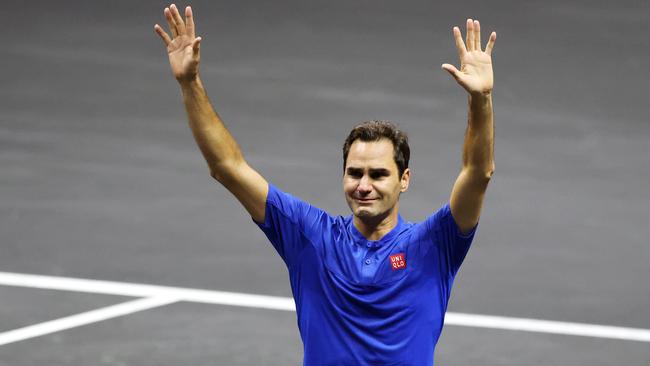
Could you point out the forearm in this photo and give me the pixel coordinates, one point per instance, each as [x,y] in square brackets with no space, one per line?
[217,145]
[478,147]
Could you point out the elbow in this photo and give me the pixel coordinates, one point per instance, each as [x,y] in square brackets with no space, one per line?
[482,175]
[487,176]
[223,177]
[490,172]
[485,168]
[224,172]
[216,175]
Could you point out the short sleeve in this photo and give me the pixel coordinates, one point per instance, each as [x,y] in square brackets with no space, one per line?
[291,224]
[447,237]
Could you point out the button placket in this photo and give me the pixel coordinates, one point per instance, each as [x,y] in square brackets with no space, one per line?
[369,253]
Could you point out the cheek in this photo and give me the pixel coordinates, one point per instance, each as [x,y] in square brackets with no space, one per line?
[391,190]
[350,184]
[348,187]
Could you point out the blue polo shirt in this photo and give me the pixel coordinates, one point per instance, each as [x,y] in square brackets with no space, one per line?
[363,302]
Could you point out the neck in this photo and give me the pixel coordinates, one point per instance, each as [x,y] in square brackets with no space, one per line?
[374,228]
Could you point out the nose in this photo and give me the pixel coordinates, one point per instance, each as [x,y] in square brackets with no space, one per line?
[364,185]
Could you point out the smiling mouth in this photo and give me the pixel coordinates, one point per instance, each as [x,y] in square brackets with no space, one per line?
[365,200]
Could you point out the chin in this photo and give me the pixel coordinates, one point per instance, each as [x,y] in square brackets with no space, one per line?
[368,214]
[363,213]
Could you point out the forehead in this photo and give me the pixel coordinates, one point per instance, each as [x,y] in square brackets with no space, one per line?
[371,154]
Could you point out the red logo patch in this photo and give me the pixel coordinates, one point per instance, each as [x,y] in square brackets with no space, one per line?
[397,261]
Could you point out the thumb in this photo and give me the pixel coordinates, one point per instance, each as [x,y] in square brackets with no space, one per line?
[451,69]
[196,46]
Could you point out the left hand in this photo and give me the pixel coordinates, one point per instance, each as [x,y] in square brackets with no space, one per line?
[475,74]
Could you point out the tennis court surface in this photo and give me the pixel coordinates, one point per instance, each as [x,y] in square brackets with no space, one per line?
[118,248]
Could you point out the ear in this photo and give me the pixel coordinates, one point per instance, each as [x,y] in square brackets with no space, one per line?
[405,180]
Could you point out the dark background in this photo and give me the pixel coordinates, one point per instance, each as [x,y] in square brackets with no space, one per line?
[100,177]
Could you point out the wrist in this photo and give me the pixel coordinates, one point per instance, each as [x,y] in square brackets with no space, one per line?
[480,104]
[188,84]
[188,80]
[480,99]
[480,94]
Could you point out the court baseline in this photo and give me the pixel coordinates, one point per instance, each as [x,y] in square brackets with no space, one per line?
[151,296]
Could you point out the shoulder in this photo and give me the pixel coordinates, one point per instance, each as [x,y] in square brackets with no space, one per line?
[442,223]
[297,210]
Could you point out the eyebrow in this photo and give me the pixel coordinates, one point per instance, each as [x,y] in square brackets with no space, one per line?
[351,170]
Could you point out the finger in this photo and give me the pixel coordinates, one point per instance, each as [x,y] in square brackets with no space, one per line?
[470,35]
[189,19]
[162,34]
[180,25]
[460,45]
[452,70]
[196,47]
[490,45]
[477,35]
[170,22]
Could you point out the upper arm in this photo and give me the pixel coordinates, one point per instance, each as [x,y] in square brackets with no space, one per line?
[248,186]
[467,198]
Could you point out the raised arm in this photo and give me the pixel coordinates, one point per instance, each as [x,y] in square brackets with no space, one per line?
[476,77]
[219,148]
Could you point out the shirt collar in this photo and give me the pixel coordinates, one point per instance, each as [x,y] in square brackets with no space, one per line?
[359,238]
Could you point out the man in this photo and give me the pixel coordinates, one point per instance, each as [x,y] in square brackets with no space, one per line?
[370,289]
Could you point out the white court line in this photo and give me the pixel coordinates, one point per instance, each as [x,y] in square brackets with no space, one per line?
[88,317]
[548,326]
[287,304]
[143,290]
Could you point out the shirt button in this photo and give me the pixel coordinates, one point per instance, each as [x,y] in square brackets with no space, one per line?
[368,245]
[368,261]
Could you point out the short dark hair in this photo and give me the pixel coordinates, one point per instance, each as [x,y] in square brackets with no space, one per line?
[376,130]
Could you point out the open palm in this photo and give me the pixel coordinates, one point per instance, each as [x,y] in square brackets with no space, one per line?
[183,47]
[475,74]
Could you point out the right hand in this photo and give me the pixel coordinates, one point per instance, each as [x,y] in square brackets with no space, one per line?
[183,49]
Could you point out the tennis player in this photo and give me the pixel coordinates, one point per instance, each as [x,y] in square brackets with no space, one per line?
[369,288]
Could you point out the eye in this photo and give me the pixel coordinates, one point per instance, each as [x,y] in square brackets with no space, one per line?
[355,173]
[378,175]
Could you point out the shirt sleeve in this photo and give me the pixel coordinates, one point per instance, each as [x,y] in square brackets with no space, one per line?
[291,224]
[447,238]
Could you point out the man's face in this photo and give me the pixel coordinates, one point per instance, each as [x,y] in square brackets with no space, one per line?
[371,180]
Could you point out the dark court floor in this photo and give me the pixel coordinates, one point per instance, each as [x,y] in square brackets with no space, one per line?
[100,177]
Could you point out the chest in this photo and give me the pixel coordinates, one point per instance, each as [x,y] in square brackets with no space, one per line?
[369,263]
